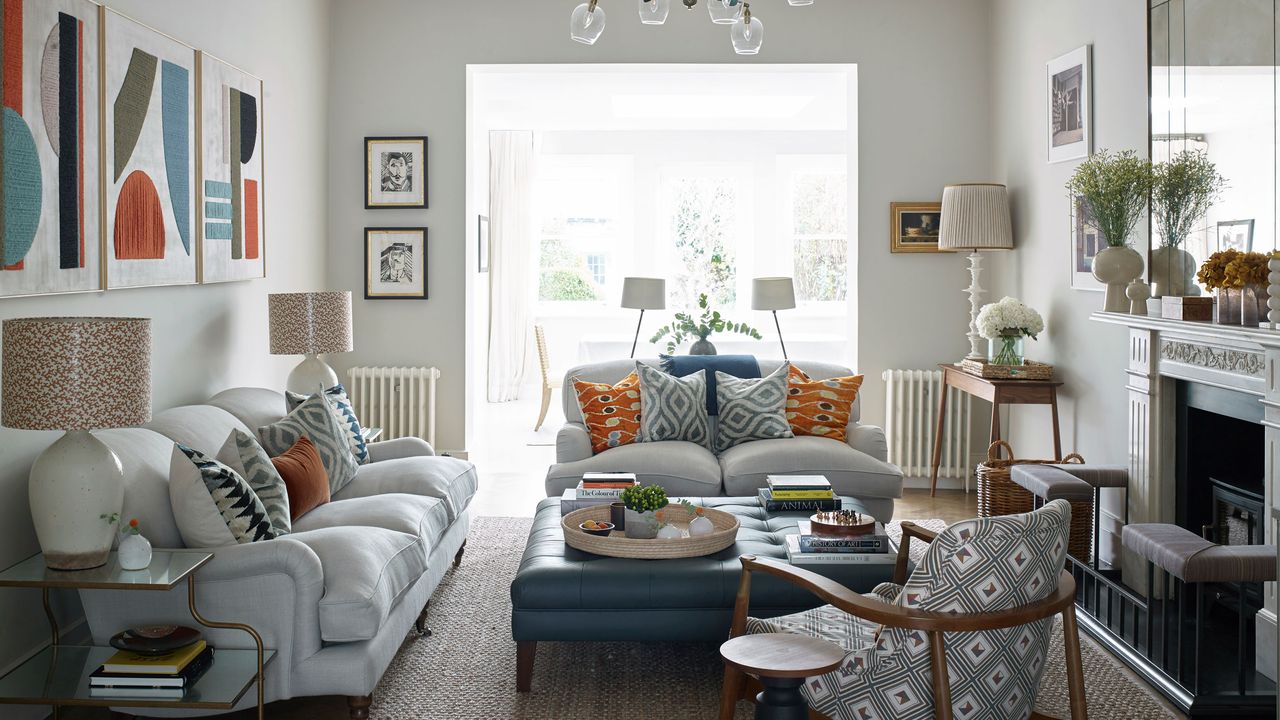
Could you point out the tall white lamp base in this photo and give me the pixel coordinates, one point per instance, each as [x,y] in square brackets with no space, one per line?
[76,487]
[311,376]
[975,304]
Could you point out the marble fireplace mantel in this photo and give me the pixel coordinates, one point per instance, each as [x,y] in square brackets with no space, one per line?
[1160,353]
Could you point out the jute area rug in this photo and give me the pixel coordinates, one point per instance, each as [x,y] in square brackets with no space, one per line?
[466,670]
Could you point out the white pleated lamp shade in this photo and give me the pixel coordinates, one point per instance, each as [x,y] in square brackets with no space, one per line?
[773,293]
[644,293]
[975,217]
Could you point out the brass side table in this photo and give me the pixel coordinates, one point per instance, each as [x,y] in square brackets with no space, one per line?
[59,674]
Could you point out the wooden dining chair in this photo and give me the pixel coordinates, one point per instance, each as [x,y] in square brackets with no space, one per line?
[549,382]
[965,636]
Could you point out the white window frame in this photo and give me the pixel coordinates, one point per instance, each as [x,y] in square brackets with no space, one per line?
[788,167]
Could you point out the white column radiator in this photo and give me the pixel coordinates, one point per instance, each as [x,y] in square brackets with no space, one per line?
[911,417]
[400,400]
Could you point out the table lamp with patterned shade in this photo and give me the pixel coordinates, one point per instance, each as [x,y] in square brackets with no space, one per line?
[310,324]
[975,217]
[642,294]
[76,374]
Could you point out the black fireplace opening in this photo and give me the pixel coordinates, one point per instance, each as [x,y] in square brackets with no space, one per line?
[1221,464]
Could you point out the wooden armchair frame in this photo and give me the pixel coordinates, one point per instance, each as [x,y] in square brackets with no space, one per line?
[935,624]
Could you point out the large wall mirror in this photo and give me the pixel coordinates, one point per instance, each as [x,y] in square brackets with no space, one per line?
[1213,88]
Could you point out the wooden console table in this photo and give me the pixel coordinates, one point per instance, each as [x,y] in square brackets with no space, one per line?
[997,392]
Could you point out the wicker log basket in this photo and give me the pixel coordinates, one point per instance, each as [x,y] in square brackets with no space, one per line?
[998,495]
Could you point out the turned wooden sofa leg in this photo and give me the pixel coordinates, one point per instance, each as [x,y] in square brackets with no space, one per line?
[358,706]
[525,651]
[457,559]
[420,625]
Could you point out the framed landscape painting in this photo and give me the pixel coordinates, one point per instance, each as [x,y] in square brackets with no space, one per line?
[149,156]
[914,227]
[395,172]
[232,216]
[395,262]
[51,196]
[1070,106]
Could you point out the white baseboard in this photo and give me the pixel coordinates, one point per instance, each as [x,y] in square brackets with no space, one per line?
[1265,656]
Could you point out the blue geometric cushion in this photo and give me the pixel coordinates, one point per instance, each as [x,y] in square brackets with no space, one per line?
[343,412]
[315,419]
[212,505]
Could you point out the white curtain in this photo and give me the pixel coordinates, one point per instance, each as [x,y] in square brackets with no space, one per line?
[511,261]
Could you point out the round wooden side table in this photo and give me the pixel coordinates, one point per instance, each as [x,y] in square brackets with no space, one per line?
[782,661]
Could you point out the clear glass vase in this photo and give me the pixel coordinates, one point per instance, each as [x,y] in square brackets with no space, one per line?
[1227,309]
[1253,305]
[1006,350]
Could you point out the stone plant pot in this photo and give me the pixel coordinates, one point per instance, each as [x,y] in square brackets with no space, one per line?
[1116,267]
[702,347]
[642,526]
[1173,272]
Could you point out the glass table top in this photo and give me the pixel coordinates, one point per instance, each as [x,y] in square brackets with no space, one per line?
[168,568]
[61,675]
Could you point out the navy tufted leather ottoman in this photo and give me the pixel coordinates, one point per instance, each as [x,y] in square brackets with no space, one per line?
[563,594]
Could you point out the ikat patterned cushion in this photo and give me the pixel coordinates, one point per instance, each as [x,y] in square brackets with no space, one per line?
[343,411]
[821,408]
[212,505]
[611,412]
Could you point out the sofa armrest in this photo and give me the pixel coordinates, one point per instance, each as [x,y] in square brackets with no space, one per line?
[274,586]
[870,440]
[573,443]
[400,448]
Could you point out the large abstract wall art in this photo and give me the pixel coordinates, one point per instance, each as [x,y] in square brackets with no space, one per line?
[231,167]
[49,158]
[150,140]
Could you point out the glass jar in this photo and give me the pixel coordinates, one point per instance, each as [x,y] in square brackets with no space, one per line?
[1253,305]
[1227,309]
[1006,350]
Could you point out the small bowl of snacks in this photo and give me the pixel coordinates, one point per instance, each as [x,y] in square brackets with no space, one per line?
[596,527]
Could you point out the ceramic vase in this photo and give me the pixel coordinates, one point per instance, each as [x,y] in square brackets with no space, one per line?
[134,552]
[700,526]
[76,491]
[1139,293]
[642,526]
[1273,292]
[1006,350]
[702,347]
[1115,267]
[1173,272]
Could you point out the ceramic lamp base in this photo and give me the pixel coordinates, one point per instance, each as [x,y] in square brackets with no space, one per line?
[311,376]
[76,485]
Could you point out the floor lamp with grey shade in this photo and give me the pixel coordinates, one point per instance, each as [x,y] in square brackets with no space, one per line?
[642,294]
[774,294]
[310,324]
[77,375]
[975,216]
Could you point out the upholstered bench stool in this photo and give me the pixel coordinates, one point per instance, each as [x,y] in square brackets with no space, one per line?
[1049,482]
[1196,562]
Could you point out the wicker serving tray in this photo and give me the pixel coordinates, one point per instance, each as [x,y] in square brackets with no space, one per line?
[617,544]
[1030,370]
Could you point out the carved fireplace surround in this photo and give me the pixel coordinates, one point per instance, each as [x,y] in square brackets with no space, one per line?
[1162,352]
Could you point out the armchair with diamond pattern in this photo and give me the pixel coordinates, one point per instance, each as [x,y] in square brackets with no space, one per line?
[965,637]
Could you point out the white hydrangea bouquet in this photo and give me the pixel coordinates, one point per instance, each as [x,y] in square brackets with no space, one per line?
[1005,323]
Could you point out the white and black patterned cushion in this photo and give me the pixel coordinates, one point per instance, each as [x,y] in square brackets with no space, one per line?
[314,419]
[982,565]
[673,408]
[343,411]
[212,505]
[751,408]
[242,453]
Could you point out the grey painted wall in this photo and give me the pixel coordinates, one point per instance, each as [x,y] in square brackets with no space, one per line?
[399,67]
[206,338]
[1090,357]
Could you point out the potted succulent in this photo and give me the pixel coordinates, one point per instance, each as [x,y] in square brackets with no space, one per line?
[1004,324]
[685,327]
[1182,191]
[643,504]
[1115,189]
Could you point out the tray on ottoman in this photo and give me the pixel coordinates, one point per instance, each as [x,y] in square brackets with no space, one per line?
[619,545]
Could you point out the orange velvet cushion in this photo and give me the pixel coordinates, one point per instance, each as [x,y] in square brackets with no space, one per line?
[611,412]
[820,407]
[304,477]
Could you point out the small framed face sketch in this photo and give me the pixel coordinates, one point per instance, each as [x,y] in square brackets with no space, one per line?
[395,172]
[395,261]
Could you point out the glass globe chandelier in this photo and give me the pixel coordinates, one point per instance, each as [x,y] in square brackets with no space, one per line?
[746,33]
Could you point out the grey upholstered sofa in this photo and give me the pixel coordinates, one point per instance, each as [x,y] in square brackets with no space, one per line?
[858,467]
[336,597]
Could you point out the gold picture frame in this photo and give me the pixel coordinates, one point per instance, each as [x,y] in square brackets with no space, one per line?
[914,227]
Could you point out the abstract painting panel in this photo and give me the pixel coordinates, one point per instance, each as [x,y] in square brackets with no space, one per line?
[49,196]
[150,141]
[395,263]
[231,184]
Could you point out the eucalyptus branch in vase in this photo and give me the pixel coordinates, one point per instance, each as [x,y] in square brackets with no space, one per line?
[685,326]
[1115,189]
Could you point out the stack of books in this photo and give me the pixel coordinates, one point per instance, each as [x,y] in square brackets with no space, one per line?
[165,677]
[809,549]
[798,493]
[596,489]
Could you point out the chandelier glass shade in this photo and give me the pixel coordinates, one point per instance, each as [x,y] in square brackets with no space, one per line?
[746,33]
[724,12]
[587,23]
[654,12]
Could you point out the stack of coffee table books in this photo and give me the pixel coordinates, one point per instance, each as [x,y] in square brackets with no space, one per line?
[161,676]
[805,548]
[596,489]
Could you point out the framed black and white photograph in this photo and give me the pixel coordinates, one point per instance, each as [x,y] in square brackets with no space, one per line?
[1235,235]
[482,240]
[395,172]
[914,227]
[1070,106]
[395,263]
[1086,241]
